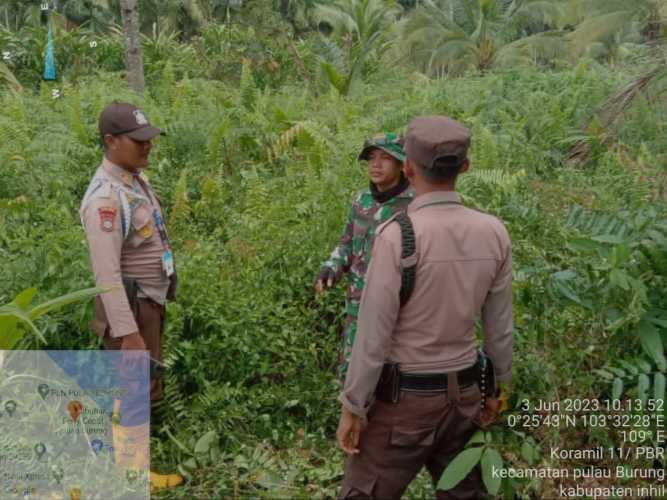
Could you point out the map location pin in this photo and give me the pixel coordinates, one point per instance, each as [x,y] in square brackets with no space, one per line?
[57,473]
[10,406]
[74,408]
[96,445]
[43,390]
[131,475]
[40,449]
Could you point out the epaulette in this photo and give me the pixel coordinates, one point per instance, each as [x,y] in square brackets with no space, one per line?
[98,188]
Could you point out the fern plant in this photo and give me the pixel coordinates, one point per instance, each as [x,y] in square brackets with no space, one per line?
[487,187]
[311,137]
[180,210]
[634,376]
[630,272]
[248,88]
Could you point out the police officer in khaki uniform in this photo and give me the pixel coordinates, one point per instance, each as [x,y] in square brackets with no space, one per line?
[424,354]
[129,247]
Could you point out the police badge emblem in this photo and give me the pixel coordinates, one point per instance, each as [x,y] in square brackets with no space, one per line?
[107,216]
[140,117]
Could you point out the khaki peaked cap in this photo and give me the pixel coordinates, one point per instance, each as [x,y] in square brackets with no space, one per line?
[430,138]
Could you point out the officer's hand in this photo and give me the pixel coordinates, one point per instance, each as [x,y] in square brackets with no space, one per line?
[349,429]
[133,365]
[495,406]
[490,412]
[324,280]
[133,341]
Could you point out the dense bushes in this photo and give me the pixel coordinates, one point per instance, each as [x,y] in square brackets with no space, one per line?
[257,182]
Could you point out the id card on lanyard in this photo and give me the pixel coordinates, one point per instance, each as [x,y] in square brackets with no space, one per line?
[167,256]
[168,262]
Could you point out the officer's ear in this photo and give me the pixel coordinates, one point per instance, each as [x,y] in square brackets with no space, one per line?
[409,168]
[110,142]
[465,166]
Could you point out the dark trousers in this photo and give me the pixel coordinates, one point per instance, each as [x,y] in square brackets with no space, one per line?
[150,321]
[421,429]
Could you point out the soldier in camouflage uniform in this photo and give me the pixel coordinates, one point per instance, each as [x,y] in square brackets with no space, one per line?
[389,192]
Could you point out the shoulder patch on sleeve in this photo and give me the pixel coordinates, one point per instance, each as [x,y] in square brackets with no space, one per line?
[100,213]
[107,217]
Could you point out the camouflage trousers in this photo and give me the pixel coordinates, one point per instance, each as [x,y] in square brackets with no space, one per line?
[347,341]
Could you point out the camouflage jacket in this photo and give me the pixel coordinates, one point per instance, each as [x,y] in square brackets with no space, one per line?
[352,255]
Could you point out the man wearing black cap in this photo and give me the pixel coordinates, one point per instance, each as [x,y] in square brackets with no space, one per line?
[129,249]
[415,377]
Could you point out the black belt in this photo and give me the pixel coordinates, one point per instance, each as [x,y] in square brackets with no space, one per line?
[437,382]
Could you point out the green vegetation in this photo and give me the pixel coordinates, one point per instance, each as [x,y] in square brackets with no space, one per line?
[257,172]
[18,314]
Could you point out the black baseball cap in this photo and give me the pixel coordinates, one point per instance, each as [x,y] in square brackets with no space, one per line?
[123,118]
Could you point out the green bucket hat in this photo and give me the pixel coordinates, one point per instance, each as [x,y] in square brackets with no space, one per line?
[389,143]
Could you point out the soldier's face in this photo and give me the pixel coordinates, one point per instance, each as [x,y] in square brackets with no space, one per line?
[128,153]
[383,169]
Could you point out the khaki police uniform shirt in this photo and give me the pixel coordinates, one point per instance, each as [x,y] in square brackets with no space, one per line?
[117,216]
[464,270]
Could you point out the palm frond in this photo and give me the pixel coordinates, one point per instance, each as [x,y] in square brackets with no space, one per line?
[596,29]
[8,77]
[339,19]
[544,11]
[613,109]
[548,46]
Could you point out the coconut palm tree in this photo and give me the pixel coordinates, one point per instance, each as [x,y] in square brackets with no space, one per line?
[299,13]
[96,15]
[16,13]
[601,26]
[11,14]
[133,54]
[457,35]
[366,21]
[363,27]
[185,16]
